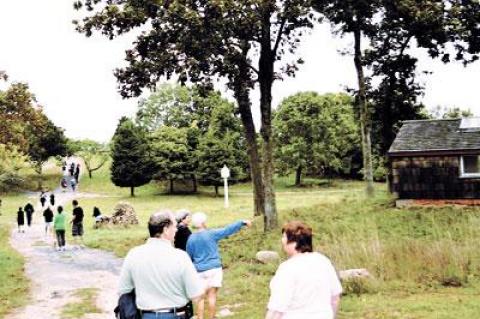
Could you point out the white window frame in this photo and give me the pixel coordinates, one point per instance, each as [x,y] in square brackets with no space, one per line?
[467,175]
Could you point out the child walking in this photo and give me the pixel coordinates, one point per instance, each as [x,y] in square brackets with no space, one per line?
[59,226]
[20,220]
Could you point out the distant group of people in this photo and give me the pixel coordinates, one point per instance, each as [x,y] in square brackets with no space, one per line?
[54,222]
[176,267]
[71,177]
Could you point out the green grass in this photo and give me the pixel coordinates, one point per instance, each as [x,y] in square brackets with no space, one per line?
[410,252]
[85,304]
[14,285]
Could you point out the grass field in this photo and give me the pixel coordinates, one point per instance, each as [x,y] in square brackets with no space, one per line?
[424,262]
[14,286]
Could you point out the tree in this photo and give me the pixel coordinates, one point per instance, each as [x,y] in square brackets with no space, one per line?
[46,140]
[132,165]
[315,133]
[95,155]
[11,162]
[201,40]
[174,160]
[221,145]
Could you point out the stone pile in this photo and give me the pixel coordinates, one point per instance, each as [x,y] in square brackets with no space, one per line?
[123,214]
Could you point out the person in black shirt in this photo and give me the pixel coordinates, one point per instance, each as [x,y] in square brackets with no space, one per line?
[77,222]
[71,170]
[20,220]
[48,216]
[29,210]
[43,198]
[52,199]
[183,232]
[77,173]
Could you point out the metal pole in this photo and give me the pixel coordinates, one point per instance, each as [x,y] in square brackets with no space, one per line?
[225,189]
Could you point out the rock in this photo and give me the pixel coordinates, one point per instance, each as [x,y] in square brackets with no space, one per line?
[353,273]
[267,256]
[124,214]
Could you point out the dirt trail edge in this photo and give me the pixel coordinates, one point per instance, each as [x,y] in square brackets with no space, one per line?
[56,276]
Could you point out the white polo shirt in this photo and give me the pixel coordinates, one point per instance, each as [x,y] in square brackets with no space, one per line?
[303,286]
[162,276]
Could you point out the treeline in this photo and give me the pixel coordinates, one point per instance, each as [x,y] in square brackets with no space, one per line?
[28,137]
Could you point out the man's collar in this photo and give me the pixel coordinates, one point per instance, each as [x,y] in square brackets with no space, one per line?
[156,240]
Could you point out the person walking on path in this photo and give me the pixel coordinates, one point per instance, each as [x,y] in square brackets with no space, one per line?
[77,173]
[202,247]
[52,199]
[71,170]
[59,226]
[48,217]
[183,232]
[306,285]
[43,198]
[77,223]
[29,210]
[21,220]
[163,277]
[73,184]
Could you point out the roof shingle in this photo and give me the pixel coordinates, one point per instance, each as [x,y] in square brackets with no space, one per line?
[434,135]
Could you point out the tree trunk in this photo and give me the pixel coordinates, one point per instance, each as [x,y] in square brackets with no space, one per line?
[132,191]
[266,77]
[171,186]
[194,181]
[216,190]
[241,93]
[298,176]
[39,170]
[90,174]
[365,120]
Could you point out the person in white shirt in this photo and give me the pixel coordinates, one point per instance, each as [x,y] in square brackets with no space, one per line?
[306,286]
[163,277]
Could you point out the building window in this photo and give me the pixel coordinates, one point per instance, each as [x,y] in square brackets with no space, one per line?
[470,166]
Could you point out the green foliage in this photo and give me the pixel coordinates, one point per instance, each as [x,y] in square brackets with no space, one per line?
[221,145]
[11,163]
[46,141]
[316,134]
[174,159]
[132,165]
[94,154]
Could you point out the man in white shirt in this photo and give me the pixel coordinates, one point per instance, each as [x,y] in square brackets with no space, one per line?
[305,286]
[163,277]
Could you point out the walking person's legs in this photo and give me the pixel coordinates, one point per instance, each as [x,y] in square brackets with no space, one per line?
[212,301]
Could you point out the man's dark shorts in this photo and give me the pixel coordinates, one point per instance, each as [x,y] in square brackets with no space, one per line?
[77,229]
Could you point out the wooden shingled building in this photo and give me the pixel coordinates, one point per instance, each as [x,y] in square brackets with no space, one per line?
[436,159]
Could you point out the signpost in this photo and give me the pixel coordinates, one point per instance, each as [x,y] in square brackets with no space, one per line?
[225,173]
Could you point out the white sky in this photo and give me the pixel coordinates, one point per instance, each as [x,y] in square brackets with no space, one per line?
[72,76]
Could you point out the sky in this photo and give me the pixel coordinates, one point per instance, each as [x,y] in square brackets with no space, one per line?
[72,76]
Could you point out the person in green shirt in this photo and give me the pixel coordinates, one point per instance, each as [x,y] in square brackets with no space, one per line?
[59,226]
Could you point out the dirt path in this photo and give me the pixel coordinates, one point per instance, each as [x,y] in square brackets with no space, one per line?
[57,276]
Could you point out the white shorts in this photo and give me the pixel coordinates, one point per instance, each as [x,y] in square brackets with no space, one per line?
[48,225]
[213,278]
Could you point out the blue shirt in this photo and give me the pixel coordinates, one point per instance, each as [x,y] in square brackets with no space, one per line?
[202,246]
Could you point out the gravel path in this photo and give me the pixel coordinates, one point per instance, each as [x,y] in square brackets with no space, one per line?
[56,276]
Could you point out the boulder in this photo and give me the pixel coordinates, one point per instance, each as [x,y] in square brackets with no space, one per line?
[353,273]
[267,256]
[124,214]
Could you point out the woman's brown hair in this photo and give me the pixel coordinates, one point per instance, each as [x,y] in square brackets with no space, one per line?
[299,233]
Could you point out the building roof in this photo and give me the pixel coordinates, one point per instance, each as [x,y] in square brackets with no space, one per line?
[435,136]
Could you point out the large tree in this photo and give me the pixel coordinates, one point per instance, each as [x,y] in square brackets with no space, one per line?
[315,133]
[132,164]
[242,41]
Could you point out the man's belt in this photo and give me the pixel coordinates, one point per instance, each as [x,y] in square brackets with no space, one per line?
[178,310]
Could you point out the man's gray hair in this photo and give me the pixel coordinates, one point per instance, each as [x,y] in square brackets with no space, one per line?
[159,220]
